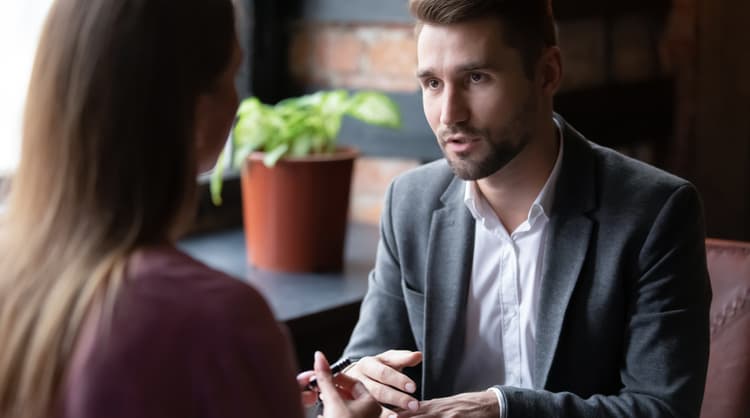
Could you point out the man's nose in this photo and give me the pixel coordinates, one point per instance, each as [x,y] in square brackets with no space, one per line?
[454,107]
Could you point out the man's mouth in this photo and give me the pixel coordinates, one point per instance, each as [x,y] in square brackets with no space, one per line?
[460,143]
[460,139]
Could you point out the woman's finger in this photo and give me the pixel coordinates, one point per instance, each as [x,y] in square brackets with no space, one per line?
[325,382]
[309,398]
[304,378]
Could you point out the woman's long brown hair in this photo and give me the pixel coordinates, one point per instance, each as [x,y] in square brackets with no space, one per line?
[107,166]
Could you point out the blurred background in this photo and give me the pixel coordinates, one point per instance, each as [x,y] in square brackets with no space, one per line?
[665,81]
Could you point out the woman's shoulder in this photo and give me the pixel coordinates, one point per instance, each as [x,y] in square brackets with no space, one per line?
[185,301]
[179,331]
[172,279]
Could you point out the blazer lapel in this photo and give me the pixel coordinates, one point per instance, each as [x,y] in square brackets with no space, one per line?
[449,260]
[566,246]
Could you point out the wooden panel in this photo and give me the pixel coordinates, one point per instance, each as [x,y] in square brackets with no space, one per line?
[722,170]
[579,9]
[620,113]
[396,11]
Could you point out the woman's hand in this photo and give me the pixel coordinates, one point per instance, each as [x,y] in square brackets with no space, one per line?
[344,398]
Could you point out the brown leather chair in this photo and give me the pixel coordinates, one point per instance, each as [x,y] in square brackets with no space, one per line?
[727,393]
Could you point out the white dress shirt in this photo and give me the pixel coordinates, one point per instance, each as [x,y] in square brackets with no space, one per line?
[504,292]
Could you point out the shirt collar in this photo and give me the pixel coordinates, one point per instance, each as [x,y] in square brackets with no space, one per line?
[542,205]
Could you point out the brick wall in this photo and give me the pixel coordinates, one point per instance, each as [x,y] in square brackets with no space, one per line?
[383,56]
[354,56]
[359,56]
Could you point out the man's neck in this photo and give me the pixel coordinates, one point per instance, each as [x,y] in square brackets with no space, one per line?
[512,190]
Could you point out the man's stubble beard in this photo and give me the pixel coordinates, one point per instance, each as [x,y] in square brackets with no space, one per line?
[502,150]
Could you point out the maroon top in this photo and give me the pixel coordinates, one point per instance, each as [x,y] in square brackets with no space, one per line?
[184,341]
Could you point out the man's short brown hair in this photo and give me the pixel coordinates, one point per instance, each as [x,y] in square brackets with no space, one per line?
[529,24]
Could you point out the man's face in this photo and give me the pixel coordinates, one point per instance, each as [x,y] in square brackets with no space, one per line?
[476,97]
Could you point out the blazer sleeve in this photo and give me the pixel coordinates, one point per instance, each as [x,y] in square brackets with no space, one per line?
[383,319]
[665,359]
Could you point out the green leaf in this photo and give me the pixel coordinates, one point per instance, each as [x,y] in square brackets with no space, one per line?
[240,155]
[273,156]
[376,109]
[293,124]
[217,179]
[249,135]
[299,126]
[334,102]
[301,146]
[331,127]
[319,143]
[308,100]
[249,106]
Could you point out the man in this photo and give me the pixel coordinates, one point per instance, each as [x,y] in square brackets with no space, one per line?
[567,279]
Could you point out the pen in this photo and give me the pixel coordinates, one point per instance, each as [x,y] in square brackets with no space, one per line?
[336,368]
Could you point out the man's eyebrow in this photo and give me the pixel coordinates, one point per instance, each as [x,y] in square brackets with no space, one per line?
[473,66]
[425,73]
[468,67]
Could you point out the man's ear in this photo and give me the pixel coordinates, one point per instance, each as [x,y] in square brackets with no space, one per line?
[550,70]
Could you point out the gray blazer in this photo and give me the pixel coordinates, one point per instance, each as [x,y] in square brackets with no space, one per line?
[622,326]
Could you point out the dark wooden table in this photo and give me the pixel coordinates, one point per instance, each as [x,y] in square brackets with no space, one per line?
[320,309]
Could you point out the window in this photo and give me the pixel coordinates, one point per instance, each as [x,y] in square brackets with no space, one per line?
[20,24]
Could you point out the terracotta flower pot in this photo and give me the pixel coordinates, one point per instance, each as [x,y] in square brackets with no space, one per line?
[295,213]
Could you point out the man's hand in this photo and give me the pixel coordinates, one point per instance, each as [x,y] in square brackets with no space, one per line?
[465,405]
[382,377]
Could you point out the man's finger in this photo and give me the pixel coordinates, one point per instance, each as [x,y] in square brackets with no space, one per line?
[387,413]
[358,389]
[398,359]
[345,382]
[375,369]
[390,396]
[364,405]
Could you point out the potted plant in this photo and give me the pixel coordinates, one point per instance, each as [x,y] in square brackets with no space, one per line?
[295,179]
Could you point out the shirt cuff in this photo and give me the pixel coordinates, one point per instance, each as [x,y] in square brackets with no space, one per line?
[501,400]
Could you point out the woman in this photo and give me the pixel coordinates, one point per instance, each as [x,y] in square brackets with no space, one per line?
[100,315]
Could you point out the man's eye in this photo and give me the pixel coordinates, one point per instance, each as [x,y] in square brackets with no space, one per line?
[433,84]
[476,77]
